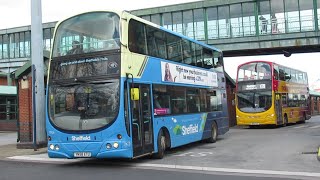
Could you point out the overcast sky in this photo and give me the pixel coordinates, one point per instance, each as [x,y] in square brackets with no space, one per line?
[15,13]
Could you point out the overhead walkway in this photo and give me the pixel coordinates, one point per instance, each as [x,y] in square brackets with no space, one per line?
[245,27]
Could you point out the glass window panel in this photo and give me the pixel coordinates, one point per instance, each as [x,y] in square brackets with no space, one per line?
[21,45]
[264,17]
[46,39]
[5,46]
[199,24]
[27,44]
[212,23]
[137,37]
[224,24]
[178,99]
[177,22]
[155,18]
[156,42]
[292,15]
[277,17]
[167,20]
[187,52]
[11,45]
[236,20]
[1,44]
[188,24]
[306,15]
[248,18]
[17,45]
[207,58]
[198,55]
[147,17]
[318,11]
[193,100]
[174,48]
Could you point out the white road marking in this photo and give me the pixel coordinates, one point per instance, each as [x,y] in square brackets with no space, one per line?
[298,127]
[45,159]
[314,127]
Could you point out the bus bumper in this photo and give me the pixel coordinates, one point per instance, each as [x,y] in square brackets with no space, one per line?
[89,150]
[255,120]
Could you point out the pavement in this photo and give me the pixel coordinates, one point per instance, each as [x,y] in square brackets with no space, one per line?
[8,146]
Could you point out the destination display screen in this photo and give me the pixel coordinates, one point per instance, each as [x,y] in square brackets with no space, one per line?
[249,86]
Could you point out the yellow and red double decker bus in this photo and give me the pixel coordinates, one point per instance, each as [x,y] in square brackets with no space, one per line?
[271,94]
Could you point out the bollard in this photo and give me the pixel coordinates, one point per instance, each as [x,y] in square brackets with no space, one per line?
[318,156]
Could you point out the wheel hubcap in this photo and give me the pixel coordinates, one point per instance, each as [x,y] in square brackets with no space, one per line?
[214,133]
[163,142]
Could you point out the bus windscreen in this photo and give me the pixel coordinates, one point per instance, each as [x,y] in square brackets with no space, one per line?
[90,32]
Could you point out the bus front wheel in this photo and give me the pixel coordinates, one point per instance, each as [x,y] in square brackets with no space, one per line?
[214,133]
[161,141]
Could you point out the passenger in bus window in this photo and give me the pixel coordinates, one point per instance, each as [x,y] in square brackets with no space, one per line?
[156,101]
[76,48]
[175,109]
[187,57]
[170,52]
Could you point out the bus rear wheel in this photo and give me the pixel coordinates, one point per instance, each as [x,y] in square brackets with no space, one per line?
[161,141]
[214,133]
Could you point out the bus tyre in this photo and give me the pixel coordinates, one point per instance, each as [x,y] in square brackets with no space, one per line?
[161,141]
[214,133]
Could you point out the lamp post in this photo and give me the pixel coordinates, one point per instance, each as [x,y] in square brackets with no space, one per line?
[38,97]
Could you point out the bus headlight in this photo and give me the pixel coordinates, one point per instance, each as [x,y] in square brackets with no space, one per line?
[108,146]
[116,145]
[51,146]
[56,147]
[270,116]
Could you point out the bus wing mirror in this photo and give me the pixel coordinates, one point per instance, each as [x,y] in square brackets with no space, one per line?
[135,94]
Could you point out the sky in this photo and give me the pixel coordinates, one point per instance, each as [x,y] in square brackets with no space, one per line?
[15,13]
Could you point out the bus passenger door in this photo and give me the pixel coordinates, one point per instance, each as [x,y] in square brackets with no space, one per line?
[278,108]
[142,128]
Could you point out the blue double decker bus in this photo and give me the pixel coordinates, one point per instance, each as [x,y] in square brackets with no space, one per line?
[122,87]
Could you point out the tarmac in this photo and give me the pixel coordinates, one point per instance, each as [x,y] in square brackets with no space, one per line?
[9,151]
[8,146]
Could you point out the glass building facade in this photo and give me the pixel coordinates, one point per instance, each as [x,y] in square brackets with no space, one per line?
[18,44]
[255,18]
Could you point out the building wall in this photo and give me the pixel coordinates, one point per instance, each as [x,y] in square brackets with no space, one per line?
[231,105]
[8,125]
[4,82]
[315,104]
[25,110]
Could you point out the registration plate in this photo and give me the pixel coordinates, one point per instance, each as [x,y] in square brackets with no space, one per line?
[82,154]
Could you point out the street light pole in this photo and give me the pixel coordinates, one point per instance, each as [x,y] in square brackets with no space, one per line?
[38,103]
